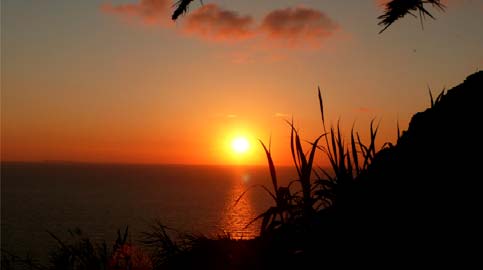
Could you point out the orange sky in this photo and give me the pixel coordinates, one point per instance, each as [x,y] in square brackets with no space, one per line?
[117,81]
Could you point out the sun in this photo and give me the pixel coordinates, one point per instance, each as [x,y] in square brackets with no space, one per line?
[240,145]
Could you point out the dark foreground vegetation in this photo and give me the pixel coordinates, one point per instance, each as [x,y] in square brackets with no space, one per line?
[415,203]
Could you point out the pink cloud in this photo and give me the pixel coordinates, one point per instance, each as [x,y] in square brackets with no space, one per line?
[149,12]
[290,27]
[213,23]
[298,26]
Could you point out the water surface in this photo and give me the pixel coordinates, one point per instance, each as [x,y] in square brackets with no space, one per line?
[99,199]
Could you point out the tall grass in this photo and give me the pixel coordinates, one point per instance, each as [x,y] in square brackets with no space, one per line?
[80,253]
[318,189]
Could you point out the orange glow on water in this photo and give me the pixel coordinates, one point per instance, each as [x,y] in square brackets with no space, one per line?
[237,216]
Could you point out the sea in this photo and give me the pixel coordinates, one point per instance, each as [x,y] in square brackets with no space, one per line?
[100,199]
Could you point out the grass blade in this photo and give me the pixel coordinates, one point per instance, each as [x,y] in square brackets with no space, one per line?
[321,105]
[273,173]
[431,97]
[355,157]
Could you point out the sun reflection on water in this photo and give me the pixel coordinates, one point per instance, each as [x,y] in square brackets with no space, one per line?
[237,216]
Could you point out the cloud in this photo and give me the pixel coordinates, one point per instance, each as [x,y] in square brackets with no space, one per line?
[149,12]
[297,26]
[210,22]
[290,27]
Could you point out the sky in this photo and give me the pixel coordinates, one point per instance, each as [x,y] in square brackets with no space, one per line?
[119,82]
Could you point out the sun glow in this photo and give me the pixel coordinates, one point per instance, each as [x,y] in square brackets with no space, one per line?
[237,146]
[240,145]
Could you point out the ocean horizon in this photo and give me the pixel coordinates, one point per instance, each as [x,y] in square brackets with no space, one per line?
[100,198]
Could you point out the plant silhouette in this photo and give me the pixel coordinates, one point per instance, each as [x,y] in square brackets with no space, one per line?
[394,10]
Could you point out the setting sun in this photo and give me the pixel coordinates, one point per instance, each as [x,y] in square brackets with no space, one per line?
[237,146]
[240,145]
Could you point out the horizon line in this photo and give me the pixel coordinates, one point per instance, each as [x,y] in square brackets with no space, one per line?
[74,162]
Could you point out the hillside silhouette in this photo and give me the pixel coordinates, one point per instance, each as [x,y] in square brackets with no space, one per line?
[423,193]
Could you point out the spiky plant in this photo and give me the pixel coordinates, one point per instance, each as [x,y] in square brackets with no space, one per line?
[304,166]
[397,9]
[281,212]
[181,7]
[347,162]
[162,245]
[438,98]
